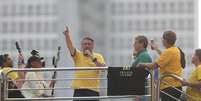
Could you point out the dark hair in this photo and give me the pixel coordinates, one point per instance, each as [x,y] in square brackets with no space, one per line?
[3,59]
[142,39]
[88,38]
[198,53]
[183,59]
[170,37]
[32,59]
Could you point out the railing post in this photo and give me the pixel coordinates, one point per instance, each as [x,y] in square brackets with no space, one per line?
[2,89]
[5,86]
[155,96]
[1,86]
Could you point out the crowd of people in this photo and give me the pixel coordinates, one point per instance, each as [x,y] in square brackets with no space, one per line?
[169,61]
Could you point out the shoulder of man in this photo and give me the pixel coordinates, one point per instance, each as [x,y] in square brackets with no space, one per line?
[77,51]
[97,54]
[6,69]
[31,75]
[144,54]
[170,50]
[12,75]
[199,66]
[145,57]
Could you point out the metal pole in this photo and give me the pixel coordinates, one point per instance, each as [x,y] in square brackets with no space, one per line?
[1,86]
[155,84]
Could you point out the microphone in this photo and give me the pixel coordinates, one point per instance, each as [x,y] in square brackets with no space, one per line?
[20,56]
[87,52]
[18,47]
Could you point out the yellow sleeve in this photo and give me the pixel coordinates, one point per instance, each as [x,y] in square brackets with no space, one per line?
[100,59]
[76,55]
[12,75]
[198,72]
[164,59]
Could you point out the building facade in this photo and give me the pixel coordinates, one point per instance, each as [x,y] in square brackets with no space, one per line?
[33,24]
[120,20]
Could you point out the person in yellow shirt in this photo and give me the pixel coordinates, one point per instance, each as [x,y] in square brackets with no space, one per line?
[85,57]
[169,61]
[194,82]
[6,65]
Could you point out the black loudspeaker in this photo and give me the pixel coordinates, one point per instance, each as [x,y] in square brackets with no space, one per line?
[124,81]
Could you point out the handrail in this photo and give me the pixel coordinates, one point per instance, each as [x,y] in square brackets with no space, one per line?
[171,75]
[58,69]
[62,79]
[58,88]
[176,77]
[75,98]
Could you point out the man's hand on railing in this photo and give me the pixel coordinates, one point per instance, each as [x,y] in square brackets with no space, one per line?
[180,79]
[144,65]
[184,82]
[195,85]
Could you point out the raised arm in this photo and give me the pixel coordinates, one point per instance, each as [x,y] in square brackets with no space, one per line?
[155,47]
[69,43]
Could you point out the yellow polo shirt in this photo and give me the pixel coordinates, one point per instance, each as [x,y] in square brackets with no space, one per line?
[169,62]
[194,77]
[82,61]
[12,75]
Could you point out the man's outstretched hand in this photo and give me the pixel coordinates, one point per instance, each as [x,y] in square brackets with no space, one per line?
[153,45]
[66,31]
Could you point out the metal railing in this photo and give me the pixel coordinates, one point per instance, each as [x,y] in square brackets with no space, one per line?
[155,85]
[176,77]
[5,81]
[1,86]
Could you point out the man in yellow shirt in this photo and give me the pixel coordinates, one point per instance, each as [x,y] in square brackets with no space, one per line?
[194,82]
[6,65]
[85,58]
[169,62]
